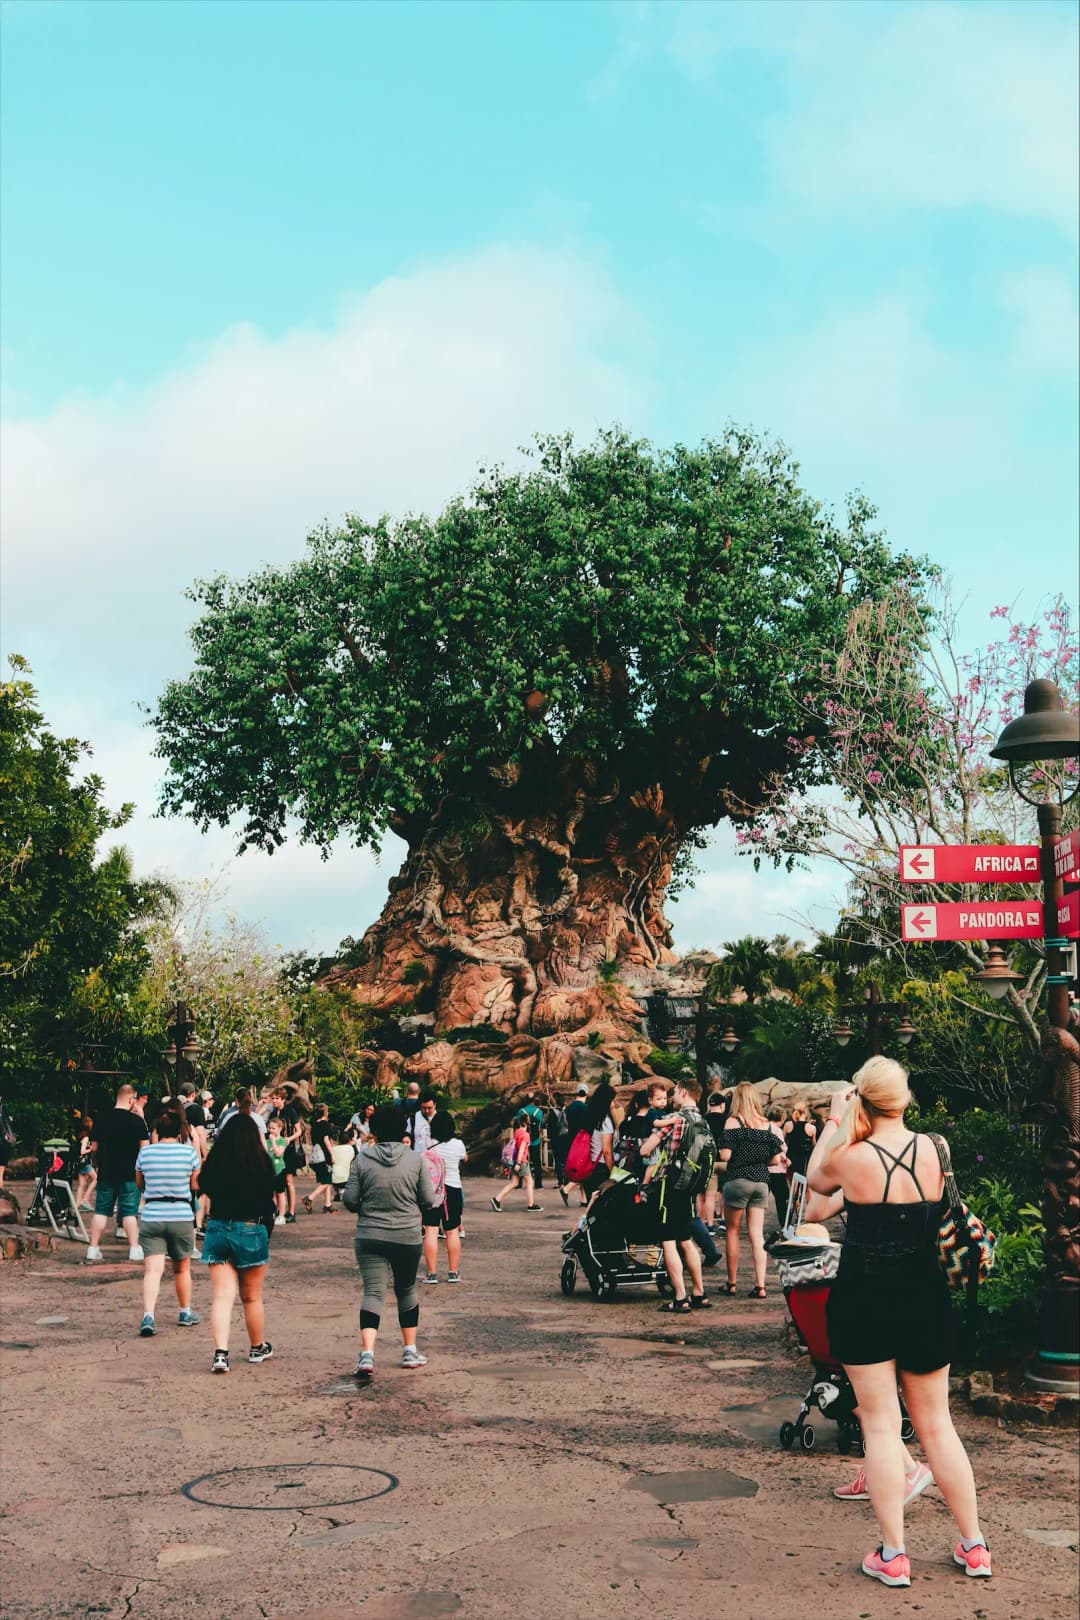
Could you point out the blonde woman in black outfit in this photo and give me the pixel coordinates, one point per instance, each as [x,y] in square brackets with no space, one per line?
[750,1151]
[889,1312]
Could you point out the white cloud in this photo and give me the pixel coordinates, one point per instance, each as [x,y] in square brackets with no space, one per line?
[112,506]
[882,107]
[940,105]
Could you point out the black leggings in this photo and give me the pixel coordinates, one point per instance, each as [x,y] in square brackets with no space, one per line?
[378,1259]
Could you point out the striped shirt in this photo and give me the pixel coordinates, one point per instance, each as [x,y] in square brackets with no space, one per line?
[166,1169]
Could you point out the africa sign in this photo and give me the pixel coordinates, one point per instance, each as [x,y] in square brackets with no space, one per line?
[985,919]
[969,863]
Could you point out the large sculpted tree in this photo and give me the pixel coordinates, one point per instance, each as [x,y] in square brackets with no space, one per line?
[549,690]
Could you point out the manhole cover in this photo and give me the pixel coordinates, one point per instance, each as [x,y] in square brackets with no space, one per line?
[289,1487]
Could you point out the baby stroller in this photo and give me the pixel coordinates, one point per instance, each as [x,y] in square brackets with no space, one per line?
[53,1203]
[806,1282]
[617,1242]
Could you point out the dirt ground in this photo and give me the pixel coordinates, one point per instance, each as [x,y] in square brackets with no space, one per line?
[558,1458]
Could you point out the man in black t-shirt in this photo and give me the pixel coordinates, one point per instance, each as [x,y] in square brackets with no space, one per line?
[119,1133]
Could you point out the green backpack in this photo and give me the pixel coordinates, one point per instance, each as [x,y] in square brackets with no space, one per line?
[695,1158]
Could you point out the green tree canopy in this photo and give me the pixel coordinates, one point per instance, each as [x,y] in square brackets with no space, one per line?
[70,916]
[615,616]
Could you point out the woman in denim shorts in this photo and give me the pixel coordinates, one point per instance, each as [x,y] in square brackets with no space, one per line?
[238,1179]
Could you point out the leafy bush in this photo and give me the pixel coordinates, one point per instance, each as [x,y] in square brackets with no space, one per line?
[672,1065]
[985,1144]
[1008,1303]
[608,971]
[415,972]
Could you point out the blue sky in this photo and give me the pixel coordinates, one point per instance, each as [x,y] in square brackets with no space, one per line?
[263,263]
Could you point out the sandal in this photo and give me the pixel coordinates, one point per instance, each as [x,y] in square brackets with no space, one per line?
[675,1307]
[757,1293]
[700,1302]
[308,1206]
[730,1288]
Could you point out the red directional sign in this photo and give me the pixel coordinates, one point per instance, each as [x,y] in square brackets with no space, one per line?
[1069,915]
[979,919]
[1067,857]
[969,863]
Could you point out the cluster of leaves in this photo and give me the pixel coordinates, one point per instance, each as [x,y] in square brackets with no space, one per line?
[641,614]
[73,922]
[912,718]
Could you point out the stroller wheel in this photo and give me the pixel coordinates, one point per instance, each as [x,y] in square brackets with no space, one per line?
[604,1287]
[907,1430]
[663,1285]
[808,1437]
[787,1435]
[568,1276]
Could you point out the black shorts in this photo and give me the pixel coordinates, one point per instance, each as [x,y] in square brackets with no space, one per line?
[281,1182]
[676,1218]
[448,1213]
[324,1174]
[907,1319]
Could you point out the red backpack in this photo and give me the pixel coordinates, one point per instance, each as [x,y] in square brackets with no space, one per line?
[579,1160]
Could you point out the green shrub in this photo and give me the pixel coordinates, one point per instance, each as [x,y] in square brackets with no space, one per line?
[672,1065]
[415,972]
[986,1145]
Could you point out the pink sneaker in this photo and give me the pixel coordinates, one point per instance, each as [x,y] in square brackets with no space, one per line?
[897,1572]
[916,1483]
[975,1562]
[856,1491]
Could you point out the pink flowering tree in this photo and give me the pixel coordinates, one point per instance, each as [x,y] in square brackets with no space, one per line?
[910,739]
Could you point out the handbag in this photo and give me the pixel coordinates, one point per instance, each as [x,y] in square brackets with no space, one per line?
[317,1155]
[965,1247]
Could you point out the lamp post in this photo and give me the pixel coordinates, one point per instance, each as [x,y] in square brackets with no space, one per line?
[1045,731]
[182,1051]
[878,1014]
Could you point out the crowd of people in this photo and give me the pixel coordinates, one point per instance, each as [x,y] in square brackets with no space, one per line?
[228,1182]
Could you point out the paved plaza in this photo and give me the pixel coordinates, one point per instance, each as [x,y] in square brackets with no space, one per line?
[558,1458]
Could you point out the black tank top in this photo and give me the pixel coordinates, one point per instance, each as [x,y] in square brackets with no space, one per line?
[892,1230]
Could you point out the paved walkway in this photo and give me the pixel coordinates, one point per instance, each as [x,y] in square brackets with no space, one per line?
[557,1459]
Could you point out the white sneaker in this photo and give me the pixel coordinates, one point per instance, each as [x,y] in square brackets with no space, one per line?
[92,1254]
[279,1220]
[411,1357]
[136,1253]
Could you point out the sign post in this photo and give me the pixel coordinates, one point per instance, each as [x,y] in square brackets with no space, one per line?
[973,919]
[1067,857]
[969,863]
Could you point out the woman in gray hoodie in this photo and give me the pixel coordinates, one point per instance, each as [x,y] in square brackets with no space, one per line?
[389,1187]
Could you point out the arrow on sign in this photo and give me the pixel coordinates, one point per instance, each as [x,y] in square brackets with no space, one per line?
[921,921]
[919,862]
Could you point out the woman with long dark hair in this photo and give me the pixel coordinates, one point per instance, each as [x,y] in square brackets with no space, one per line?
[599,1122]
[238,1179]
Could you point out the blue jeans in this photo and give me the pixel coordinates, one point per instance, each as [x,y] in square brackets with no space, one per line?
[703,1238]
[240,1244]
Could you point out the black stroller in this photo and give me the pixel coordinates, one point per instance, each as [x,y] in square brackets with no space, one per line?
[617,1243]
[53,1203]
